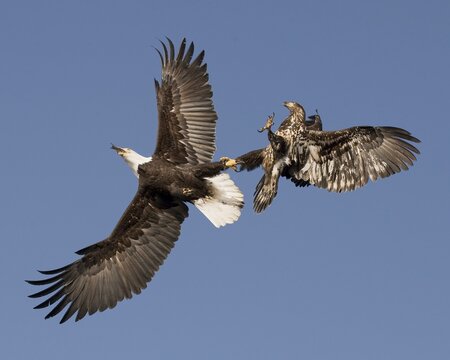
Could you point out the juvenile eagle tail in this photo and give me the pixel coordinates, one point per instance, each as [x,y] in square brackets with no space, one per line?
[225,203]
[265,192]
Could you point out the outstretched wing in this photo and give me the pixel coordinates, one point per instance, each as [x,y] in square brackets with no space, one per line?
[115,268]
[251,160]
[265,191]
[187,120]
[345,160]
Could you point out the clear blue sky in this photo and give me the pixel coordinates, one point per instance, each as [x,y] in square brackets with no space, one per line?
[363,275]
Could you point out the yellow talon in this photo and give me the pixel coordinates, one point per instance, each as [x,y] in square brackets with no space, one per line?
[229,163]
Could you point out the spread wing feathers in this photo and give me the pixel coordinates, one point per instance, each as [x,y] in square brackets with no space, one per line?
[297,182]
[115,268]
[267,188]
[187,120]
[265,192]
[345,160]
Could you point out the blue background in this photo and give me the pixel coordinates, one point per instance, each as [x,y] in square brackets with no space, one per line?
[363,275]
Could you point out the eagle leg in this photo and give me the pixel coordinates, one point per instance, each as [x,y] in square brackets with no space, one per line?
[269,123]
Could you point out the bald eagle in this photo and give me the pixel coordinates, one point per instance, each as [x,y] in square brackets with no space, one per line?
[338,161]
[179,172]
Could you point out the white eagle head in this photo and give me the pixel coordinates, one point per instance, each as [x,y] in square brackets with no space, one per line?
[131,157]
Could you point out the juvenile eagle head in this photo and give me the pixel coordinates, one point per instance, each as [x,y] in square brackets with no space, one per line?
[293,106]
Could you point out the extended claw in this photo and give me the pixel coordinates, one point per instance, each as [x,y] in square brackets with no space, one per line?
[269,123]
[229,163]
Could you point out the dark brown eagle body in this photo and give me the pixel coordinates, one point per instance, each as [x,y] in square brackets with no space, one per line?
[338,161]
[179,171]
[185,182]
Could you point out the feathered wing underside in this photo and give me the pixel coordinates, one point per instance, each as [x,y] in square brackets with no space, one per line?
[187,119]
[115,268]
[345,160]
[251,160]
[265,192]
[267,187]
[297,182]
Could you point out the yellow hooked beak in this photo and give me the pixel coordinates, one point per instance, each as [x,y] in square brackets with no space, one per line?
[120,151]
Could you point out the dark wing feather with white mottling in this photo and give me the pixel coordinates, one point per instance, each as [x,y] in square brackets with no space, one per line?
[115,268]
[265,191]
[187,120]
[345,160]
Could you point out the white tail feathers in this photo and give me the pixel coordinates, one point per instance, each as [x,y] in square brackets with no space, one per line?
[224,206]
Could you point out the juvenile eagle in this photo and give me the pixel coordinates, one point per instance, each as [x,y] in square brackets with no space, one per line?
[338,161]
[179,171]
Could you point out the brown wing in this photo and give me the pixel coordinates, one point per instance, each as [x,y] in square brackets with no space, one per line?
[115,268]
[187,120]
[344,160]
[251,160]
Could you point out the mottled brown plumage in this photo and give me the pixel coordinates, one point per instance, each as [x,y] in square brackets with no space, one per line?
[338,161]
